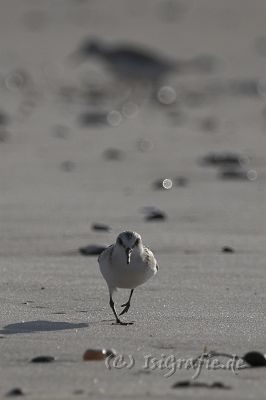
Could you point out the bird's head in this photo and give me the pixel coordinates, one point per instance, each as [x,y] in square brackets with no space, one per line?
[129,241]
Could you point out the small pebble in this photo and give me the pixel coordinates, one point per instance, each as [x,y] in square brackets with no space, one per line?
[156,215]
[92,250]
[233,174]
[228,249]
[100,227]
[15,392]
[255,359]
[93,119]
[42,359]
[113,154]
[97,354]
[78,391]
[189,384]
[222,160]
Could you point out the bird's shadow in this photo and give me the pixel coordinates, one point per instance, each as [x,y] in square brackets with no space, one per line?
[39,326]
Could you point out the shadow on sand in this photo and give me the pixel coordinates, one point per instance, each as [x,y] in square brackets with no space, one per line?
[39,326]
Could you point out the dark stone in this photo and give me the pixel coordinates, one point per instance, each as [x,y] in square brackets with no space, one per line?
[97,354]
[156,215]
[228,249]
[92,119]
[255,359]
[113,154]
[15,392]
[100,227]
[92,250]
[78,391]
[222,160]
[233,174]
[196,384]
[42,359]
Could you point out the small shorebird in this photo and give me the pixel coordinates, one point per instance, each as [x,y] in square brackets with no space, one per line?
[128,61]
[126,264]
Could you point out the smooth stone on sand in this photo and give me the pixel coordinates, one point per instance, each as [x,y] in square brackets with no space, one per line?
[15,392]
[194,384]
[228,249]
[113,154]
[100,227]
[255,359]
[42,359]
[156,215]
[92,119]
[92,250]
[222,160]
[233,174]
[97,354]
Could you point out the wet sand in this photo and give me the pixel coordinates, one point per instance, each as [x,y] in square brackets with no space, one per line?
[57,180]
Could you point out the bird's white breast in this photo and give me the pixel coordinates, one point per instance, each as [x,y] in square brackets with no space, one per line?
[118,273]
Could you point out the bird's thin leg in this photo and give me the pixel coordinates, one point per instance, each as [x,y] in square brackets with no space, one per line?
[127,304]
[118,321]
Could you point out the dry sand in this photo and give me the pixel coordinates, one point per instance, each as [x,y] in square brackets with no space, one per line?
[201,296]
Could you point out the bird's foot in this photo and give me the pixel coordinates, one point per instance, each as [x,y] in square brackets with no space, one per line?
[126,305]
[119,322]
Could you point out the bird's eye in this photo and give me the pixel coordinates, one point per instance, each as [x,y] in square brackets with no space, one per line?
[137,242]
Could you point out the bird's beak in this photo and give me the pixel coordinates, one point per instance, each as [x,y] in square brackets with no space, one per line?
[128,254]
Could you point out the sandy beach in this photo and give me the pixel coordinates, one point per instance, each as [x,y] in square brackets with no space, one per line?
[78,147]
